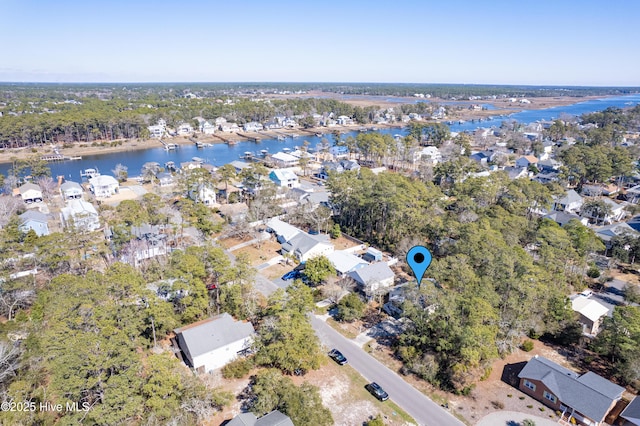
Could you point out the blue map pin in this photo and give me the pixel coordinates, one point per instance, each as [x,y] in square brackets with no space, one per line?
[419,259]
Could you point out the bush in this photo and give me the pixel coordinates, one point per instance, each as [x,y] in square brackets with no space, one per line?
[350,308]
[529,406]
[527,346]
[238,368]
[528,422]
[498,405]
[593,272]
[376,421]
[335,231]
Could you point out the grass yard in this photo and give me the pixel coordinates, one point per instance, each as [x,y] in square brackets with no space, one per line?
[257,256]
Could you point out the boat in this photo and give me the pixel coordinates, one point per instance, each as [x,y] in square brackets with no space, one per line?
[286,149]
[171,146]
[90,173]
[319,135]
[170,165]
[281,137]
[248,155]
[75,158]
[295,135]
[230,142]
[264,152]
[197,160]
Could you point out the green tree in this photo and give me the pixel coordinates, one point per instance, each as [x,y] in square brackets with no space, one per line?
[318,269]
[350,308]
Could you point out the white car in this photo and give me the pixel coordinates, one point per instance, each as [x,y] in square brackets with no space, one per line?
[586,293]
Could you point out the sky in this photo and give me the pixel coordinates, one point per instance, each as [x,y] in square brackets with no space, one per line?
[536,42]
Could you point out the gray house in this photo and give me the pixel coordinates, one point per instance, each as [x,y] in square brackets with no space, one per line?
[71,190]
[274,418]
[587,398]
[570,203]
[32,219]
[373,278]
[632,412]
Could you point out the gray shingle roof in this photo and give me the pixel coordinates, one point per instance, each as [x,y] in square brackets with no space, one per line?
[274,418]
[213,333]
[589,394]
[303,243]
[372,273]
[632,411]
[33,215]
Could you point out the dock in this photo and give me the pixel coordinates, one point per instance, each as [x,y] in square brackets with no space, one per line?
[251,138]
[58,157]
[225,140]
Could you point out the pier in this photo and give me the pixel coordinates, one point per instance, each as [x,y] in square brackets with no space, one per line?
[251,138]
[58,157]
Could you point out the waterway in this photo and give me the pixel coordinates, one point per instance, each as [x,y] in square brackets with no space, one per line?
[220,154]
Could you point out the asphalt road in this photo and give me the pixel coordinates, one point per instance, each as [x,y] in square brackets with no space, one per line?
[422,409]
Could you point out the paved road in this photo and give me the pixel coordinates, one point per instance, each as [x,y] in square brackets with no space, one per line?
[422,409]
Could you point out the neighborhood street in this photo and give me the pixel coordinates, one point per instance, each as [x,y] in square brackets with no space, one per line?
[422,409]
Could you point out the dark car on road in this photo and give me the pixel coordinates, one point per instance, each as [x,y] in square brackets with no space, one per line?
[375,390]
[292,275]
[337,356]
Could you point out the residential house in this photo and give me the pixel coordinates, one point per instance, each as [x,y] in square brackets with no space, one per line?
[616,212]
[220,120]
[284,178]
[549,165]
[547,177]
[284,160]
[337,167]
[71,190]
[570,203]
[33,219]
[304,246]
[104,186]
[373,279]
[339,151]
[80,215]
[609,232]
[562,218]
[208,128]
[240,165]
[229,127]
[274,418]
[586,398]
[252,126]
[165,179]
[633,194]
[372,255]
[591,314]
[429,153]
[345,262]
[203,194]
[282,230]
[235,212]
[526,161]
[30,193]
[149,242]
[185,129]
[212,343]
[598,190]
[631,413]
[343,120]
[517,172]
[158,130]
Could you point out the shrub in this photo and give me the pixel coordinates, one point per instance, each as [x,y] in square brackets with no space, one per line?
[593,272]
[238,368]
[498,405]
[541,408]
[509,395]
[527,346]
[486,373]
[377,421]
[521,398]
[529,406]
[528,422]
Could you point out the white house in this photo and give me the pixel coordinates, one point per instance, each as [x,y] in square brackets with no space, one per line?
[283,231]
[208,128]
[373,278]
[30,193]
[429,153]
[282,159]
[343,120]
[252,126]
[345,262]
[229,127]
[203,194]
[33,219]
[185,129]
[591,314]
[570,203]
[80,215]
[71,190]
[304,246]
[284,178]
[104,186]
[212,343]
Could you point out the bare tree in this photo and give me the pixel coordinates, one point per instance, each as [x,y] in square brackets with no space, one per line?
[9,362]
[8,207]
[121,172]
[48,186]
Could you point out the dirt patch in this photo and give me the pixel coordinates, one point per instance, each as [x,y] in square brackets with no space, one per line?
[258,256]
[343,243]
[230,242]
[277,270]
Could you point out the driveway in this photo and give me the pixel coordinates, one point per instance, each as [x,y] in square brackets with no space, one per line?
[422,409]
[512,418]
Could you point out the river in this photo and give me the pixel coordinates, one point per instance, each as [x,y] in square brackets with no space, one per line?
[220,154]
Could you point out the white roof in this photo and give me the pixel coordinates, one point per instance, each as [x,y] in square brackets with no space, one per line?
[344,261]
[76,207]
[284,174]
[589,308]
[283,228]
[103,180]
[282,156]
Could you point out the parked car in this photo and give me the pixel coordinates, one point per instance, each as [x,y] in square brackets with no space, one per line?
[377,391]
[586,293]
[337,356]
[291,275]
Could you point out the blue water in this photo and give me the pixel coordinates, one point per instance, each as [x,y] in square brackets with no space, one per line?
[220,154]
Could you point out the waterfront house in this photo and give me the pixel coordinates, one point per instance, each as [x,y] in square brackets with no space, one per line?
[284,178]
[208,128]
[165,179]
[304,246]
[373,279]
[30,193]
[229,127]
[185,129]
[252,126]
[34,220]
[343,120]
[80,215]
[591,314]
[104,186]
[274,418]
[212,343]
[71,190]
[283,160]
[586,398]
[570,203]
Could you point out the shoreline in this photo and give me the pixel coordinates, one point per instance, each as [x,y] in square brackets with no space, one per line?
[503,107]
